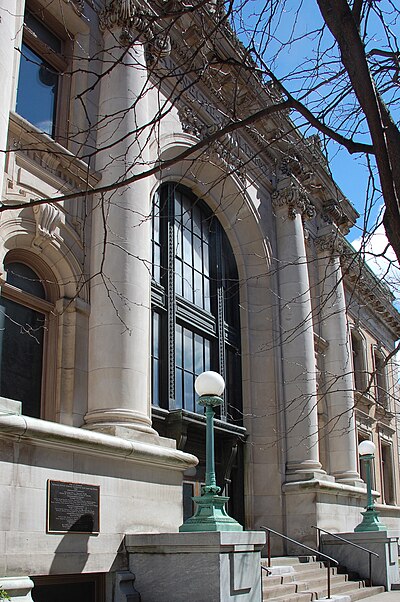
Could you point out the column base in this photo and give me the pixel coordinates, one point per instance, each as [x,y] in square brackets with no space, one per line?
[349,478]
[123,423]
[306,471]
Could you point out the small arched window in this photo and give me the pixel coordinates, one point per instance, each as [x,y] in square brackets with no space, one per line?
[24,318]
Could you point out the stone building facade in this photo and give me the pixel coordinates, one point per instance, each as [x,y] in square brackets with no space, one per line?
[229,255]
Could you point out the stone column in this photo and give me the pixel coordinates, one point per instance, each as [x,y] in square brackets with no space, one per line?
[8,31]
[297,334]
[338,369]
[119,325]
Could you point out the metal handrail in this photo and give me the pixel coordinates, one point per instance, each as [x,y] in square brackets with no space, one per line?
[355,545]
[328,558]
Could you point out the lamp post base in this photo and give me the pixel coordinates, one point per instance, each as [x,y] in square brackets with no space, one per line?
[210,515]
[370,522]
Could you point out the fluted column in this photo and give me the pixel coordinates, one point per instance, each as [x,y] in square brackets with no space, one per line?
[297,335]
[119,326]
[8,28]
[337,384]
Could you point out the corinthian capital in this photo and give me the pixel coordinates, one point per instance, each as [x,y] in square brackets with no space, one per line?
[331,243]
[135,18]
[296,201]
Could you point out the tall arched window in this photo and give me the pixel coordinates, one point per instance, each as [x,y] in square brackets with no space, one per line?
[24,317]
[195,303]
[359,361]
[381,385]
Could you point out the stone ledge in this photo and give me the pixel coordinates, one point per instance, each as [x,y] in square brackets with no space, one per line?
[58,435]
[188,543]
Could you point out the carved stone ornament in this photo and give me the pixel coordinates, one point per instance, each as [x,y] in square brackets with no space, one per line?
[295,200]
[47,218]
[331,244]
[134,18]
[77,5]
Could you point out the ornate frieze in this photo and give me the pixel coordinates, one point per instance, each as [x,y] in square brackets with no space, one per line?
[226,149]
[296,201]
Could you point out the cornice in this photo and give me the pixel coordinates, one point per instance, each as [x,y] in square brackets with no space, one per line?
[55,161]
[366,286]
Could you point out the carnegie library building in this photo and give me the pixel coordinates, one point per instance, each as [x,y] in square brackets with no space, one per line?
[143,243]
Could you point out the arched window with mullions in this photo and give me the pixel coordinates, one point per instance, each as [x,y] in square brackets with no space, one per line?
[24,321]
[195,297]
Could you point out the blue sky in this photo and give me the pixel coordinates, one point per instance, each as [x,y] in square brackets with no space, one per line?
[286,49]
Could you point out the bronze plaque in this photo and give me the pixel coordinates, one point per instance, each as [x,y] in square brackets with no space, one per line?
[72,507]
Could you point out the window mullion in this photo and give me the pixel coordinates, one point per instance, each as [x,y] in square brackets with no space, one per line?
[220,311]
[171,306]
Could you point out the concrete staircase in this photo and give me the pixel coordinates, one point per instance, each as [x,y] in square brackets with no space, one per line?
[304,580]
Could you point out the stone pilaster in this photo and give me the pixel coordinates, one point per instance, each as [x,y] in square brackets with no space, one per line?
[119,326]
[291,205]
[8,28]
[338,369]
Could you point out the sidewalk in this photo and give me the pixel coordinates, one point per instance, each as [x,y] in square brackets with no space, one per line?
[393,596]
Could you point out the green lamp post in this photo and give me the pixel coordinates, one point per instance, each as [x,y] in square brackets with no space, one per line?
[210,514]
[370,521]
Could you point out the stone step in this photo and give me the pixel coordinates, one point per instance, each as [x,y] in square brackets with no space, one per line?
[297,597]
[316,577]
[297,581]
[366,592]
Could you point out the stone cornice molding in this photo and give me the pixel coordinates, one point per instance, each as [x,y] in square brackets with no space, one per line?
[136,21]
[361,282]
[295,199]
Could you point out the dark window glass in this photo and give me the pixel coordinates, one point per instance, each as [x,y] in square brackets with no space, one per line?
[21,354]
[188,505]
[156,359]
[41,31]
[201,301]
[23,277]
[65,592]
[380,379]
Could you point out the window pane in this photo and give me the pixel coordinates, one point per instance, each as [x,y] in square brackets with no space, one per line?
[197,254]
[21,355]
[44,34]
[187,246]
[198,354]
[198,289]
[178,277]
[187,282]
[196,221]
[37,90]
[188,349]
[207,303]
[156,359]
[178,346]
[189,392]
[178,388]
[23,277]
